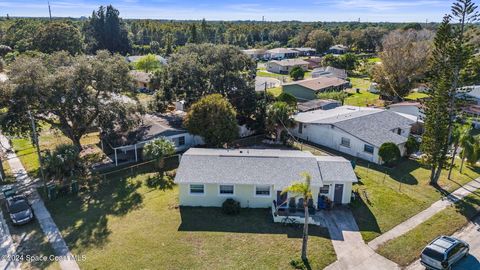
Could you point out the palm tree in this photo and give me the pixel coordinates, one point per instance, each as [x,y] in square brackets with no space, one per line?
[302,189]
[460,135]
[471,150]
[279,117]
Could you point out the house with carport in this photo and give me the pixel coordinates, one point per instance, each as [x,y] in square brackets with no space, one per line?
[257,177]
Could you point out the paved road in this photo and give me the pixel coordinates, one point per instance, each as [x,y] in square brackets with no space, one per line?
[471,234]
[419,218]
[260,83]
[352,252]
[46,222]
[7,247]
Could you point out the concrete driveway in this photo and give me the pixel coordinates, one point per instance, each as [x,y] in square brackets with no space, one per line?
[470,234]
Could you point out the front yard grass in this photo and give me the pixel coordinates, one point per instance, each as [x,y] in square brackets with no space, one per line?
[416,95]
[122,223]
[406,248]
[388,197]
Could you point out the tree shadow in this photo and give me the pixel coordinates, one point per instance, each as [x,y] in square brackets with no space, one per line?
[257,221]
[160,181]
[83,219]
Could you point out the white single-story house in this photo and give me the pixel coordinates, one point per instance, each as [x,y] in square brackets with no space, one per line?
[338,49]
[409,107]
[284,66]
[256,54]
[257,177]
[281,53]
[141,80]
[305,51]
[357,131]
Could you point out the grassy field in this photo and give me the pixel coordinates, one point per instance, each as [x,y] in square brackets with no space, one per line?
[374,60]
[390,196]
[363,98]
[126,218]
[406,248]
[416,95]
[275,91]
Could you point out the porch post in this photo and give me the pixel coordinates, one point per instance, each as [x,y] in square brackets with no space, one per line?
[116,160]
[136,156]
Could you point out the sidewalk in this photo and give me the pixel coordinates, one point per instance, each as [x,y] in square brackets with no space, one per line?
[419,218]
[41,213]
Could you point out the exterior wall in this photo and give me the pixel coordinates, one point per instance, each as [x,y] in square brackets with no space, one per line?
[245,194]
[331,137]
[299,92]
[347,191]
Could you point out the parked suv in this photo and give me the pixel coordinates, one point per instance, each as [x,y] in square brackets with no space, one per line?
[19,210]
[443,252]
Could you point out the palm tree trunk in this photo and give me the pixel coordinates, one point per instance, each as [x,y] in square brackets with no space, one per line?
[305,232]
[453,161]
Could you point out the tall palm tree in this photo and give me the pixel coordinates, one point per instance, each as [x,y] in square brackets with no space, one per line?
[460,136]
[302,189]
[471,150]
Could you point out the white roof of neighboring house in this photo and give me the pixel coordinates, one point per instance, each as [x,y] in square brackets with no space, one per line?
[473,91]
[254,51]
[289,62]
[338,47]
[140,76]
[281,50]
[374,126]
[304,49]
[135,58]
[258,167]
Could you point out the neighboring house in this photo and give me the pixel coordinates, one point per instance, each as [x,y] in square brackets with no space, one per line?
[412,110]
[472,93]
[125,148]
[338,49]
[135,58]
[314,62]
[257,177]
[256,54]
[329,72]
[281,53]
[141,80]
[305,51]
[473,113]
[284,66]
[308,89]
[318,104]
[357,131]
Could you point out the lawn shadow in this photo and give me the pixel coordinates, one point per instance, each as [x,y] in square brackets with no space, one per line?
[366,220]
[83,219]
[257,221]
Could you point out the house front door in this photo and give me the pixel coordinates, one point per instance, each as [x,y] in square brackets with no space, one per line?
[281,198]
[338,194]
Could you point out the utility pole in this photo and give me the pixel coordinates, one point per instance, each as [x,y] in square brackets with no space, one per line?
[35,141]
[49,10]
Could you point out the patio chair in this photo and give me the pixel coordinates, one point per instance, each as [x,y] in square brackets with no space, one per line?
[292,207]
[300,206]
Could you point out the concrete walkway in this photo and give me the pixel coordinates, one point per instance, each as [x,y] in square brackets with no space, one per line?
[419,218]
[7,248]
[67,261]
[352,252]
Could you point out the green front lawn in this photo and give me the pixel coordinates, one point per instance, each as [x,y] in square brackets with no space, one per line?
[275,91]
[416,95]
[406,248]
[124,223]
[391,196]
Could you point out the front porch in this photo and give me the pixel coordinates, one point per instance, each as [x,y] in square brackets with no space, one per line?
[296,215]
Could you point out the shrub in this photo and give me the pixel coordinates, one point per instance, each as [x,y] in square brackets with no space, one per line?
[158,148]
[231,207]
[412,145]
[297,73]
[288,98]
[389,153]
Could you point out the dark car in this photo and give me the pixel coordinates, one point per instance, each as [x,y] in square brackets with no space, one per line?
[19,210]
[443,252]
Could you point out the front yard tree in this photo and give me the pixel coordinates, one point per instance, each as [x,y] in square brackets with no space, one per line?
[59,36]
[389,153]
[450,54]
[158,149]
[460,137]
[62,162]
[148,63]
[72,94]
[279,118]
[303,190]
[297,73]
[214,119]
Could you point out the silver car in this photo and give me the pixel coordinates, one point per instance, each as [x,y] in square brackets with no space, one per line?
[443,252]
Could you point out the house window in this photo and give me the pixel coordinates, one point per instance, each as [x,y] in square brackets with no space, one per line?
[325,189]
[399,131]
[226,189]
[262,191]
[197,189]
[300,128]
[345,142]
[181,140]
[368,148]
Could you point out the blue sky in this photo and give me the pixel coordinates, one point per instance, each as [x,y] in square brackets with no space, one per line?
[273,10]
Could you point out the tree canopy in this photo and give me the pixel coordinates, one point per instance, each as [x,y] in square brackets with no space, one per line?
[70,93]
[214,119]
[279,117]
[389,153]
[158,149]
[59,36]
[148,63]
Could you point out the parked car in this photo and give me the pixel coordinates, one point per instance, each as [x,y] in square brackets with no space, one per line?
[19,209]
[8,191]
[443,252]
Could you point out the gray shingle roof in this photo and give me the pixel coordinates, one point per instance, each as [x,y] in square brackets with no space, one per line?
[249,166]
[335,169]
